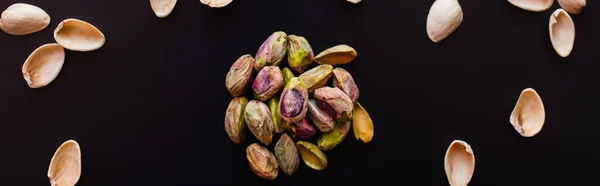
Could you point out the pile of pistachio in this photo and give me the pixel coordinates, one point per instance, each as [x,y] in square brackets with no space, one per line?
[303,107]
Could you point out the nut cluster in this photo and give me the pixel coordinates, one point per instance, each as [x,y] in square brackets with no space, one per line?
[311,116]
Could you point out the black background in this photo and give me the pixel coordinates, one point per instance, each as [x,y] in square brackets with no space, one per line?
[147,108]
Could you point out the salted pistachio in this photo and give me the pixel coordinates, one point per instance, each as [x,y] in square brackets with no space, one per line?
[529,114]
[362,124]
[65,166]
[316,77]
[267,83]
[216,3]
[277,121]
[287,154]
[43,65]
[300,54]
[354,1]
[335,102]
[344,81]
[459,163]
[562,32]
[22,19]
[258,120]
[78,35]
[293,103]
[332,139]
[287,75]
[311,155]
[239,75]
[272,50]
[444,18]
[337,55]
[573,6]
[234,119]
[262,162]
[162,8]
[322,120]
[532,5]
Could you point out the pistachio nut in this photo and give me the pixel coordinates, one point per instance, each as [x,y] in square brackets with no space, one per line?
[316,77]
[323,121]
[354,1]
[287,154]
[277,121]
[22,19]
[258,120]
[78,35]
[239,75]
[216,3]
[532,5]
[43,65]
[529,114]
[311,155]
[337,55]
[272,50]
[262,162]
[304,130]
[444,18]
[332,139]
[335,102]
[562,32]
[573,6]
[362,124]
[343,80]
[235,123]
[300,54]
[459,163]
[293,103]
[162,8]
[65,166]
[267,83]
[287,75]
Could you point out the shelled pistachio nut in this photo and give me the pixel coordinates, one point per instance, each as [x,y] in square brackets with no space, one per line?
[43,65]
[335,102]
[344,81]
[311,155]
[262,162]
[258,120]
[532,5]
[267,83]
[444,18]
[277,121]
[337,55]
[323,121]
[529,114]
[293,103]
[235,123]
[22,19]
[316,77]
[65,166]
[78,35]
[216,3]
[332,139]
[362,124]
[287,154]
[562,32]
[299,53]
[272,50]
[239,75]
[459,163]
[287,75]
[304,130]
[573,6]
[162,8]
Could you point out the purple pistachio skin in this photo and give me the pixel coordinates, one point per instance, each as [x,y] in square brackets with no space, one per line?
[335,102]
[267,83]
[239,75]
[322,120]
[344,81]
[293,104]
[272,50]
[299,53]
[305,130]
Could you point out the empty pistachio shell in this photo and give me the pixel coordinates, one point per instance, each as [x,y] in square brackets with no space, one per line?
[262,162]
[43,65]
[316,77]
[287,154]
[363,125]
[287,75]
[335,102]
[562,32]
[78,35]
[323,121]
[300,54]
[311,155]
[459,163]
[162,8]
[22,19]
[235,123]
[529,114]
[272,50]
[293,103]
[277,121]
[267,83]
[532,5]
[344,81]
[332,139]
[216,3]
[337,55]
[573,6]
[258,120]
[444,18]
[65,166]
[239,75]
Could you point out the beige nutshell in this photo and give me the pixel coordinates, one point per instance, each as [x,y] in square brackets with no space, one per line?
[65,166]
[354,1]
[444,18]
[22,19]
[562,32]
[573,6]
[43,65]
[78,35]
[532,5]
[216,3]
[459,163]
[529,114]
[162,8]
